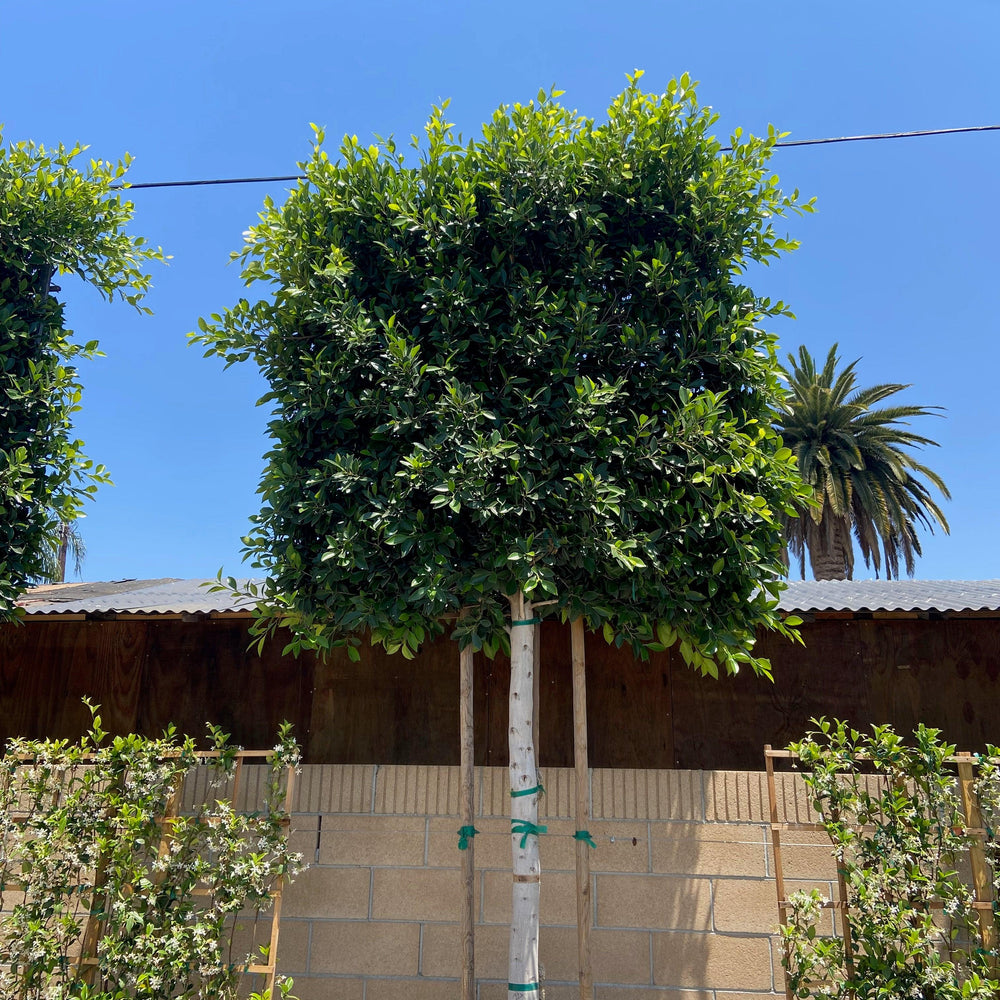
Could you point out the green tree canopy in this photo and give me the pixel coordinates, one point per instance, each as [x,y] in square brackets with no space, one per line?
[55,218]
[527,362]
[857,459]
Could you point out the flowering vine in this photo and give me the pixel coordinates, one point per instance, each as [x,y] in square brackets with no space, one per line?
[107,896]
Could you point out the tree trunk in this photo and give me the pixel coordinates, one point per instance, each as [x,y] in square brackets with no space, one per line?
[830,554]
[522,976]
[63,547]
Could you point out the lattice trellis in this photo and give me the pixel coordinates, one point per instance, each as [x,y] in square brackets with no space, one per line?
[982,883]
[87,961]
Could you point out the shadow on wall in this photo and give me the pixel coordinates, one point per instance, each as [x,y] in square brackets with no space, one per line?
[682,886]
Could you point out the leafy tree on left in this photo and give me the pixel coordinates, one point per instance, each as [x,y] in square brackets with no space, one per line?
[56,218]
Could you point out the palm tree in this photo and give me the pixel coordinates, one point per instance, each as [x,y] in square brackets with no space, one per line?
[67,540]
[863,480]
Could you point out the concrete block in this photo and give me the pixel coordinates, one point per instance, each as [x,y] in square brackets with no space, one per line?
[559,800]
[751,905]
[708,849]
[417,894]
[419,790]
[649,993]
[622,846]
[553,991]
[491,845]
[441,953]
[736,797]
[730,995]
[303,836]
[628,793]
[494,791]
[659,902]
[333,788]
[411,989]
[372,840]
[328,988]
[368,948]
[619,956]
[805,855]
[293,947]
[328,892]
[711,961]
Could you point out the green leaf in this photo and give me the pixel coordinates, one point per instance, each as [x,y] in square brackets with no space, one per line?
[479,388]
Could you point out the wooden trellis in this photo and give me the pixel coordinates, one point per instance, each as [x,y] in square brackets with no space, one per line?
[965,764]
[88,960]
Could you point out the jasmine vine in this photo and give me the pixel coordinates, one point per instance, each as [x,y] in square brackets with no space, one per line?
[88,866]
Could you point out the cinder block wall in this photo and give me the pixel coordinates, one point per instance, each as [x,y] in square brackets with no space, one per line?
[683,883]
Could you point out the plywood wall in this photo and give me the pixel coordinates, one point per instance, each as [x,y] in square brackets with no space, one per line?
[653,714]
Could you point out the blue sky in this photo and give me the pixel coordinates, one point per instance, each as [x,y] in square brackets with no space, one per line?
[899,263]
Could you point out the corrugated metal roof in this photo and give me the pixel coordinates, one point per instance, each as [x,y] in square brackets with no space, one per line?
[164,596]
[891,595]
[172,596]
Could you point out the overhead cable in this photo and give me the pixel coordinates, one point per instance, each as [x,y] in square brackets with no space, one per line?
[725,149]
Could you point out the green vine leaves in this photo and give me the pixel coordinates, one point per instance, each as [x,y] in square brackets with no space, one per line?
[81,836]
[893,811]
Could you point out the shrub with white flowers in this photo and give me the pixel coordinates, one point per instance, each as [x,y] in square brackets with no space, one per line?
[893,812]
[89,866]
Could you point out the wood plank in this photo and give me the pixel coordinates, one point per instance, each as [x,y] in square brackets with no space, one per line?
[146,673]
[630,720]
[584,908]
[199,672]
[45,671]
[723,723]
[466,738]
[386,709]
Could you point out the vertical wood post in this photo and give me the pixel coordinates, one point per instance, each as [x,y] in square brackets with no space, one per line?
[582,774]
[844,907]
[468,789]
[981,880]
[779,875]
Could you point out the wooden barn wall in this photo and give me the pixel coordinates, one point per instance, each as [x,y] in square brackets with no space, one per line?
[654,714]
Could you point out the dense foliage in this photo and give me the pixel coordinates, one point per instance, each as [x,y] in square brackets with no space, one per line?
[894,813]
[526,363]
[55,218]
[81,834]
[858,459]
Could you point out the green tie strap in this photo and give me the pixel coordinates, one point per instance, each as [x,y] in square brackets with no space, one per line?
[465,834]
[540,788]
[523,987]
[526,621]
[527,828]
[585,836]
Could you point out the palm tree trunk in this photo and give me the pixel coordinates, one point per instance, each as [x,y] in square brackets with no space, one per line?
[63,548]
[829,558]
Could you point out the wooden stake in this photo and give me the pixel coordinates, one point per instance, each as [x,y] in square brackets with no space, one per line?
[981,880]
[468,786]
[582,772]
[779,875]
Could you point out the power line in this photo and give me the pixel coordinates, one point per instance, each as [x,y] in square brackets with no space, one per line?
[219,180]
[725,149]
[883,135]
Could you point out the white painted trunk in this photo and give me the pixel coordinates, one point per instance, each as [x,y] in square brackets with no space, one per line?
[522,976]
